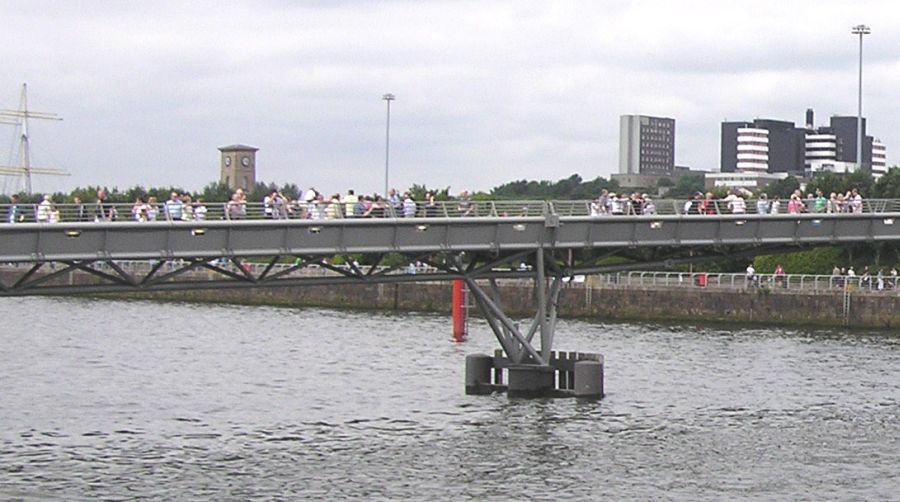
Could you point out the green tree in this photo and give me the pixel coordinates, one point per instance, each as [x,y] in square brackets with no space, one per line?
[828,183]
[813,262]
[841,183]
[571,188]
[418,192]
[291,191]
[687,186]
[888,186]
[782,188]
[215,191]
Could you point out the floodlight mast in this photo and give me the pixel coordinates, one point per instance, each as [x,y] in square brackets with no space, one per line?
[860,30]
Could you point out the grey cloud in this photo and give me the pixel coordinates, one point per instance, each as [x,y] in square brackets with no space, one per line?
[487,92]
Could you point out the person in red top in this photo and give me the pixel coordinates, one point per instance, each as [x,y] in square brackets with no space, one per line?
[708,205]
[780,277]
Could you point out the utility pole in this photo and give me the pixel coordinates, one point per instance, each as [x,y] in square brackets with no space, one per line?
[860,30]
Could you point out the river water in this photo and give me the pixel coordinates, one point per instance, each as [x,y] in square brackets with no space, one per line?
[129,399]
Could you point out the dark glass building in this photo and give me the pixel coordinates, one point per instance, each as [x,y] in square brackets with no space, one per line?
[778,146]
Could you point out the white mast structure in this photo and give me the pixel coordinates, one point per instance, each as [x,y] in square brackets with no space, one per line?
[20,118]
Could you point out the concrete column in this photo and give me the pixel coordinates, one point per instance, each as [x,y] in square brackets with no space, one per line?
[589,379]
[530,380]
[478,373]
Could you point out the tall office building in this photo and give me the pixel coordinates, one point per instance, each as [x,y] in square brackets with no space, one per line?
[763,145]
[778,146]
[879,158]
[832,148]
[646,145]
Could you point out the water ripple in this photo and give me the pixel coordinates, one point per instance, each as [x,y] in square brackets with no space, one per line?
[180,401]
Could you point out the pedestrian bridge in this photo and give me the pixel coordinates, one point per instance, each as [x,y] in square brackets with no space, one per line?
[495,241]
[544,241]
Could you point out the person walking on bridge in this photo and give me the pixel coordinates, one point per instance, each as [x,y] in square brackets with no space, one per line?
[103,210]
[174,207]
[15,214]
[350,201]
[708,206]
[409,206]
[44,210]
[79,212]
[762,204]
[736,203]
[465,206]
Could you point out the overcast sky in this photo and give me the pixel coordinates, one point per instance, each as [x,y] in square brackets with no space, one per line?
[486,92]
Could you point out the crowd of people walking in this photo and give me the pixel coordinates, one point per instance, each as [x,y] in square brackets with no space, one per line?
[313,204]
[840,278]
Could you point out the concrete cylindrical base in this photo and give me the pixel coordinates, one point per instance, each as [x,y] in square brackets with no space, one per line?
[531,380]
[478,373]
[589,379]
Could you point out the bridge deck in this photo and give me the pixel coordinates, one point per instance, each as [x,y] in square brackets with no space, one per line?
[123,240]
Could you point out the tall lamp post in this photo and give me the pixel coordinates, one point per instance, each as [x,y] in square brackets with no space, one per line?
[860,30]
[387,141]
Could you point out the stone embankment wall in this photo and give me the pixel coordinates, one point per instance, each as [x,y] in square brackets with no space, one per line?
[762,306]
[609,302]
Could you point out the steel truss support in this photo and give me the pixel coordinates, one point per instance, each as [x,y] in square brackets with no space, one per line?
[545,267]
[516,343]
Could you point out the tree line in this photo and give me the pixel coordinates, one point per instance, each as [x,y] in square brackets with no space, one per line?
[573,187]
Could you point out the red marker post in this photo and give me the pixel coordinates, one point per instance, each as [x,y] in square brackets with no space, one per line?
[460,311]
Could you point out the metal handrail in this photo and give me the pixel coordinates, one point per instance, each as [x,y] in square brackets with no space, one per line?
[51,213]
[740,281]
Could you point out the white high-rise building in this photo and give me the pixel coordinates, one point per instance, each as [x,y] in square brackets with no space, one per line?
[820,146]
[821,154]
[752,150]
[879,158]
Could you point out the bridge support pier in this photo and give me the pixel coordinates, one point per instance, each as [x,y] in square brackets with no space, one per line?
[530,372]
[478,374]
[568,374]
[531,380]
[589,378]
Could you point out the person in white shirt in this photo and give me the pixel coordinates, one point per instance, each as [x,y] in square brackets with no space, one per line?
[44,209]
[751,275]
[409,206]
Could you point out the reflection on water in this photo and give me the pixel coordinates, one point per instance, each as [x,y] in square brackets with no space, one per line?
[109,399]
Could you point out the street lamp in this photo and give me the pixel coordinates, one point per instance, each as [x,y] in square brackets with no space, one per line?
[387,141]
[860,30]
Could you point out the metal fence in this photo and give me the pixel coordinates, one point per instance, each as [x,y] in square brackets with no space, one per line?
[195,211]
[791,282]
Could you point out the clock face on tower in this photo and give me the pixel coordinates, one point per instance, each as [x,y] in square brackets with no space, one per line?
[227,161]
[245,161]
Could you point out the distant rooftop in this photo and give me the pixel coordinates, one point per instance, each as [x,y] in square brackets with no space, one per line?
[240,148]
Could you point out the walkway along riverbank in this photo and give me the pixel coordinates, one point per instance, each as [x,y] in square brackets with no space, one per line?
[854,308]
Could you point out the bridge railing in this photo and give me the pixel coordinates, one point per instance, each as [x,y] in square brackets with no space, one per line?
[52,213]
[720,281]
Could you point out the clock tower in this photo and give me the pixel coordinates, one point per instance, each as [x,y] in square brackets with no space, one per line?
[238,166]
